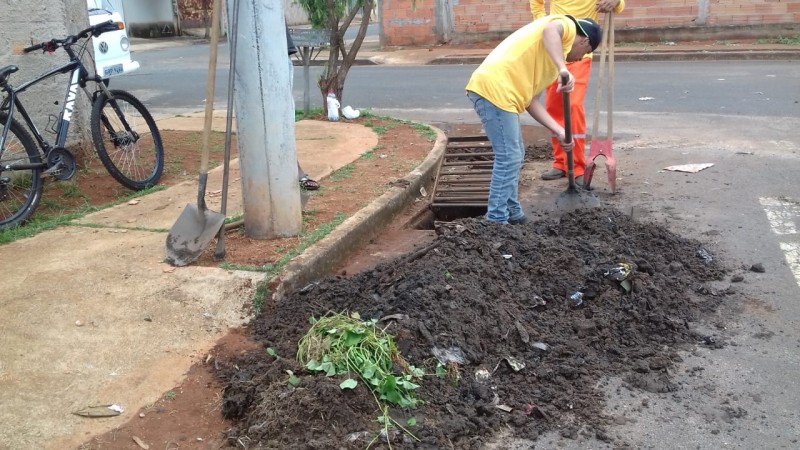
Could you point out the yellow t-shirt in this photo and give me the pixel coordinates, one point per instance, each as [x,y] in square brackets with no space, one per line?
[520,68]
[579,9]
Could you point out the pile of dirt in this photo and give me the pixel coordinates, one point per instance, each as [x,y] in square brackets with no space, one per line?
[531,317]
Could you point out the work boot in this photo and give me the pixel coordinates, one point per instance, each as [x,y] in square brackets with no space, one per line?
[553,174]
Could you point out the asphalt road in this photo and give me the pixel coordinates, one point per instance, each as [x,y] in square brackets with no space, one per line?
[174,79]
[742,116]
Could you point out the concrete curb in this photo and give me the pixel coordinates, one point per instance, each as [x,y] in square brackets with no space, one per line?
[734,55]
[320,259]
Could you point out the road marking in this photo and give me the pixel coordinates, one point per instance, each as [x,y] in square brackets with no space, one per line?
[782,214]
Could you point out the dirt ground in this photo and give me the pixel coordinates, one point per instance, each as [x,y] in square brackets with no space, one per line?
[500,297]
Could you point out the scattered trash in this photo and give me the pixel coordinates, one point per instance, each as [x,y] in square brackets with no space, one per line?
[422,191]
[576,298]
[533,410]
[505,408]
[538,301]
[349,113]
[78,323]
[515,364]
[452,354]
[758,268]
[541,346]
[622,274]
[691,168]
[394,317]
[134,202]
[646,99]
[508,256]
[703,253]
[140,443]
[482,375]
[523,333]
[100,411]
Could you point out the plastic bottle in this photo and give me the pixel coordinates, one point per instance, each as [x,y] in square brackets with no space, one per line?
[333,107]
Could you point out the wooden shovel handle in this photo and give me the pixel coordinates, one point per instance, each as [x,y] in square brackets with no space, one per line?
[212,79]
[601,75]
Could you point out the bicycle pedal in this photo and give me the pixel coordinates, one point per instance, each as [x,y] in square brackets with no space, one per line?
[61,164]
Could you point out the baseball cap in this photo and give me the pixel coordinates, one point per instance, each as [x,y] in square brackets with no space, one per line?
[589,28]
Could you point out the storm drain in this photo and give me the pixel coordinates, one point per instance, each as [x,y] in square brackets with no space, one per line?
[462,180]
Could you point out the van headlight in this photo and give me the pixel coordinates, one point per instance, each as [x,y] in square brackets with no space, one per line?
[124,43]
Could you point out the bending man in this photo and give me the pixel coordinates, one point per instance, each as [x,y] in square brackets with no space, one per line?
[510,81]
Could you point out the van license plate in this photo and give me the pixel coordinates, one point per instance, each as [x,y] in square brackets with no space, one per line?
[116,69]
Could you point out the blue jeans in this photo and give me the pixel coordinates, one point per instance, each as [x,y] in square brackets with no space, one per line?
[505,134]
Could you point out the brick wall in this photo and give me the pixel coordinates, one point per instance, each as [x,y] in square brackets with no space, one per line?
[460,21]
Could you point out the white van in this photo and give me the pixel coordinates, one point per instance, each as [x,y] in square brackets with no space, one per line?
[112,54]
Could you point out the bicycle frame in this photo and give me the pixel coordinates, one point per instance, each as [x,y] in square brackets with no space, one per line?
[78,78]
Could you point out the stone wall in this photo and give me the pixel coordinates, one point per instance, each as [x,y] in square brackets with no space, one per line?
[465,21]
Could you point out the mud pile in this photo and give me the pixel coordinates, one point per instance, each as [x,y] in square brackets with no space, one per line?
[531,318]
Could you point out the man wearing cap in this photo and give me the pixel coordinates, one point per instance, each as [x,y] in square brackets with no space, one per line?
[581,70]
[510,81]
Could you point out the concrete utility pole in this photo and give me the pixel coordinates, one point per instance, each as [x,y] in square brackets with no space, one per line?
[265,121]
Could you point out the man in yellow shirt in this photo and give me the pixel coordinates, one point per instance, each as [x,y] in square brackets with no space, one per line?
[581,69]
[510,81]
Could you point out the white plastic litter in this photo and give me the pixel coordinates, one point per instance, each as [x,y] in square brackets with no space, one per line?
[333,107]
[691,168]
[349,113]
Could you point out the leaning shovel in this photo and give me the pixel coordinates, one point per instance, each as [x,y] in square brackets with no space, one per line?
[574,197]
[197,225]
[599,146]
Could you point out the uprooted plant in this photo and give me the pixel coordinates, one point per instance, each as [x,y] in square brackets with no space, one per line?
[338,344]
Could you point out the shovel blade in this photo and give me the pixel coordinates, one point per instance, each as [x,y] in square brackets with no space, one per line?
[191,234]
[574,198]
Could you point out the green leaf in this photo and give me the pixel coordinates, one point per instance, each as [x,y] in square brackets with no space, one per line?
[351,338]
[293,380]
[271,352]
[411,421]
[314,365]
[348,384]
[407,385]
[328,368]
[440,370]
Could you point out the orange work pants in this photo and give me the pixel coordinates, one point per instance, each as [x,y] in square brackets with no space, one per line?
[581,70]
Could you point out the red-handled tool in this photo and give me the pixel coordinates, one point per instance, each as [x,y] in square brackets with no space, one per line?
[598,146]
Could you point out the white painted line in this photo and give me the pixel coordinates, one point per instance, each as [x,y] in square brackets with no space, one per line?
[792,252]
[781,214]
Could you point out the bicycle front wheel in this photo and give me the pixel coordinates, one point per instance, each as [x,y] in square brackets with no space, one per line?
[20,189]
[127,140]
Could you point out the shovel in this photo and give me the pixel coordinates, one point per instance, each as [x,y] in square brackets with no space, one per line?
[219,252]
[602,147]
[573,198]
[197,225]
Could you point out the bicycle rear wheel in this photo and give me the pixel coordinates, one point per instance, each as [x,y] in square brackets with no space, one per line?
[20,190]
[127,140]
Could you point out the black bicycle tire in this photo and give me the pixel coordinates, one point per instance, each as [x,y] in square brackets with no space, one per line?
[99,144]
[37,182]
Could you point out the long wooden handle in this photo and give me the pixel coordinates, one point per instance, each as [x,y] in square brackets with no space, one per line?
[610,128]
[212,79]
[601,76]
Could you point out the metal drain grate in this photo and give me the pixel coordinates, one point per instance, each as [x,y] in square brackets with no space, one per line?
[462,180]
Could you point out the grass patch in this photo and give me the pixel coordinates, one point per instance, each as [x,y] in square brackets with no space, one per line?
[44,221]
[262,289]
[342,173]
[792,40]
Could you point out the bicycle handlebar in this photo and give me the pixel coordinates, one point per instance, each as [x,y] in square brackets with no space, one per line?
[94,30]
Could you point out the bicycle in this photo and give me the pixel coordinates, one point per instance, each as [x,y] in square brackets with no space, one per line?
[124,133]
